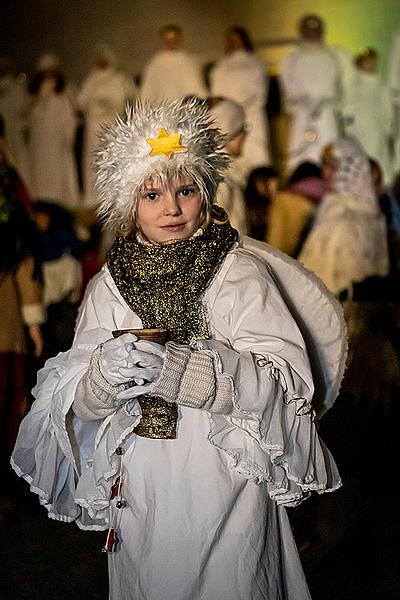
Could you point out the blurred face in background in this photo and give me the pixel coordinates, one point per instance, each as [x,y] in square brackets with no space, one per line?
[234,145]
[312,29]
[368,64]
[267,187]
[171,39]
[233,41]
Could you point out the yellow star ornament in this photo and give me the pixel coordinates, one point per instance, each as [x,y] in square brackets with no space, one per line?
[166,143]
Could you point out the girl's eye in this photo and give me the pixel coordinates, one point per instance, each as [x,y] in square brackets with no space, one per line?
[151,196]
[185,192]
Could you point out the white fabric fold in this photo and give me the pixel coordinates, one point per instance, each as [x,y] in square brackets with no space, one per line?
[271,435]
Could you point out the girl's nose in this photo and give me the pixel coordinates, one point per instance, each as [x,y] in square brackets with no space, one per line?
[171,205]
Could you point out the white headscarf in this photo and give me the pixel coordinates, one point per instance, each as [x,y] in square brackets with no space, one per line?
[228,116]
[348,241]
[352,179]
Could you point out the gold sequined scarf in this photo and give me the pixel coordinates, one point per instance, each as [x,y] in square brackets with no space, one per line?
[164,284]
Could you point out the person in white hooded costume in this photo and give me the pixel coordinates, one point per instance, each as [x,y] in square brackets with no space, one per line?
[198,513]
[241,76]
[104,92]
[348,241]
[229,117]
[172,72]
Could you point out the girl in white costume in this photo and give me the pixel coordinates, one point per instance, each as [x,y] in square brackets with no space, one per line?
[200,516]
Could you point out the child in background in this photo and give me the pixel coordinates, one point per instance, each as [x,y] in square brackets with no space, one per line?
[60,253]
[261,187]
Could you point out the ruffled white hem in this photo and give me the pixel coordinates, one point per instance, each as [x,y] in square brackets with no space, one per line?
[281,449]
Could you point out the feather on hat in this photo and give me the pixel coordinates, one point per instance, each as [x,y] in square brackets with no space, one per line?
[156,140]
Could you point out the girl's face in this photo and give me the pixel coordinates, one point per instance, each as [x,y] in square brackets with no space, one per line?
[167,213]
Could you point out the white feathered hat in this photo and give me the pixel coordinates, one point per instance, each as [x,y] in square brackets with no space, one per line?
[156,140]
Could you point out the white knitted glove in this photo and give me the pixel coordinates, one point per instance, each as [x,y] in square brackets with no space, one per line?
[192,378]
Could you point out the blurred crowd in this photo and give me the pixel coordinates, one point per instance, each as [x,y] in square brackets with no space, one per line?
[329,196]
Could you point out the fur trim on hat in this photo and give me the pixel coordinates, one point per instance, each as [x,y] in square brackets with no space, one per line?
[124,163]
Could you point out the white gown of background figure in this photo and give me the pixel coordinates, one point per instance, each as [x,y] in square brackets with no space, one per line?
[394,86]
[241,76]
[368,116]
[172,74]
[52,125]
[230,197]
[311,81]
[103,94]
[13,105]
[229,116]
[348,241]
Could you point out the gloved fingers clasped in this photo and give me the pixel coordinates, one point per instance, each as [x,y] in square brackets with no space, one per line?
[127,360]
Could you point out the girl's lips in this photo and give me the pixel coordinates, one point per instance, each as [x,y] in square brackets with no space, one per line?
[173,226]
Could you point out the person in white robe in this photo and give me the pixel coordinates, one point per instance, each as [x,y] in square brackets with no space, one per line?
[311,83]
[13,105]
[368,111]
[194,507]
[229,117]
[104,92]
[348,241]
[51,130]
[172,72]
[241,75]
[394,87]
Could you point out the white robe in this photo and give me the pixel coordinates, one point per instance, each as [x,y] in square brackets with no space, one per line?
[230,197]
[104,93]
[13,105]
[172,74]
[242,77]
[205,516]
[368,116]
[394,86]
[311,81]
[53,174]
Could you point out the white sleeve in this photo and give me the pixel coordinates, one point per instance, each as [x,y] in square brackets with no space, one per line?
[63,458]
[270,437]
